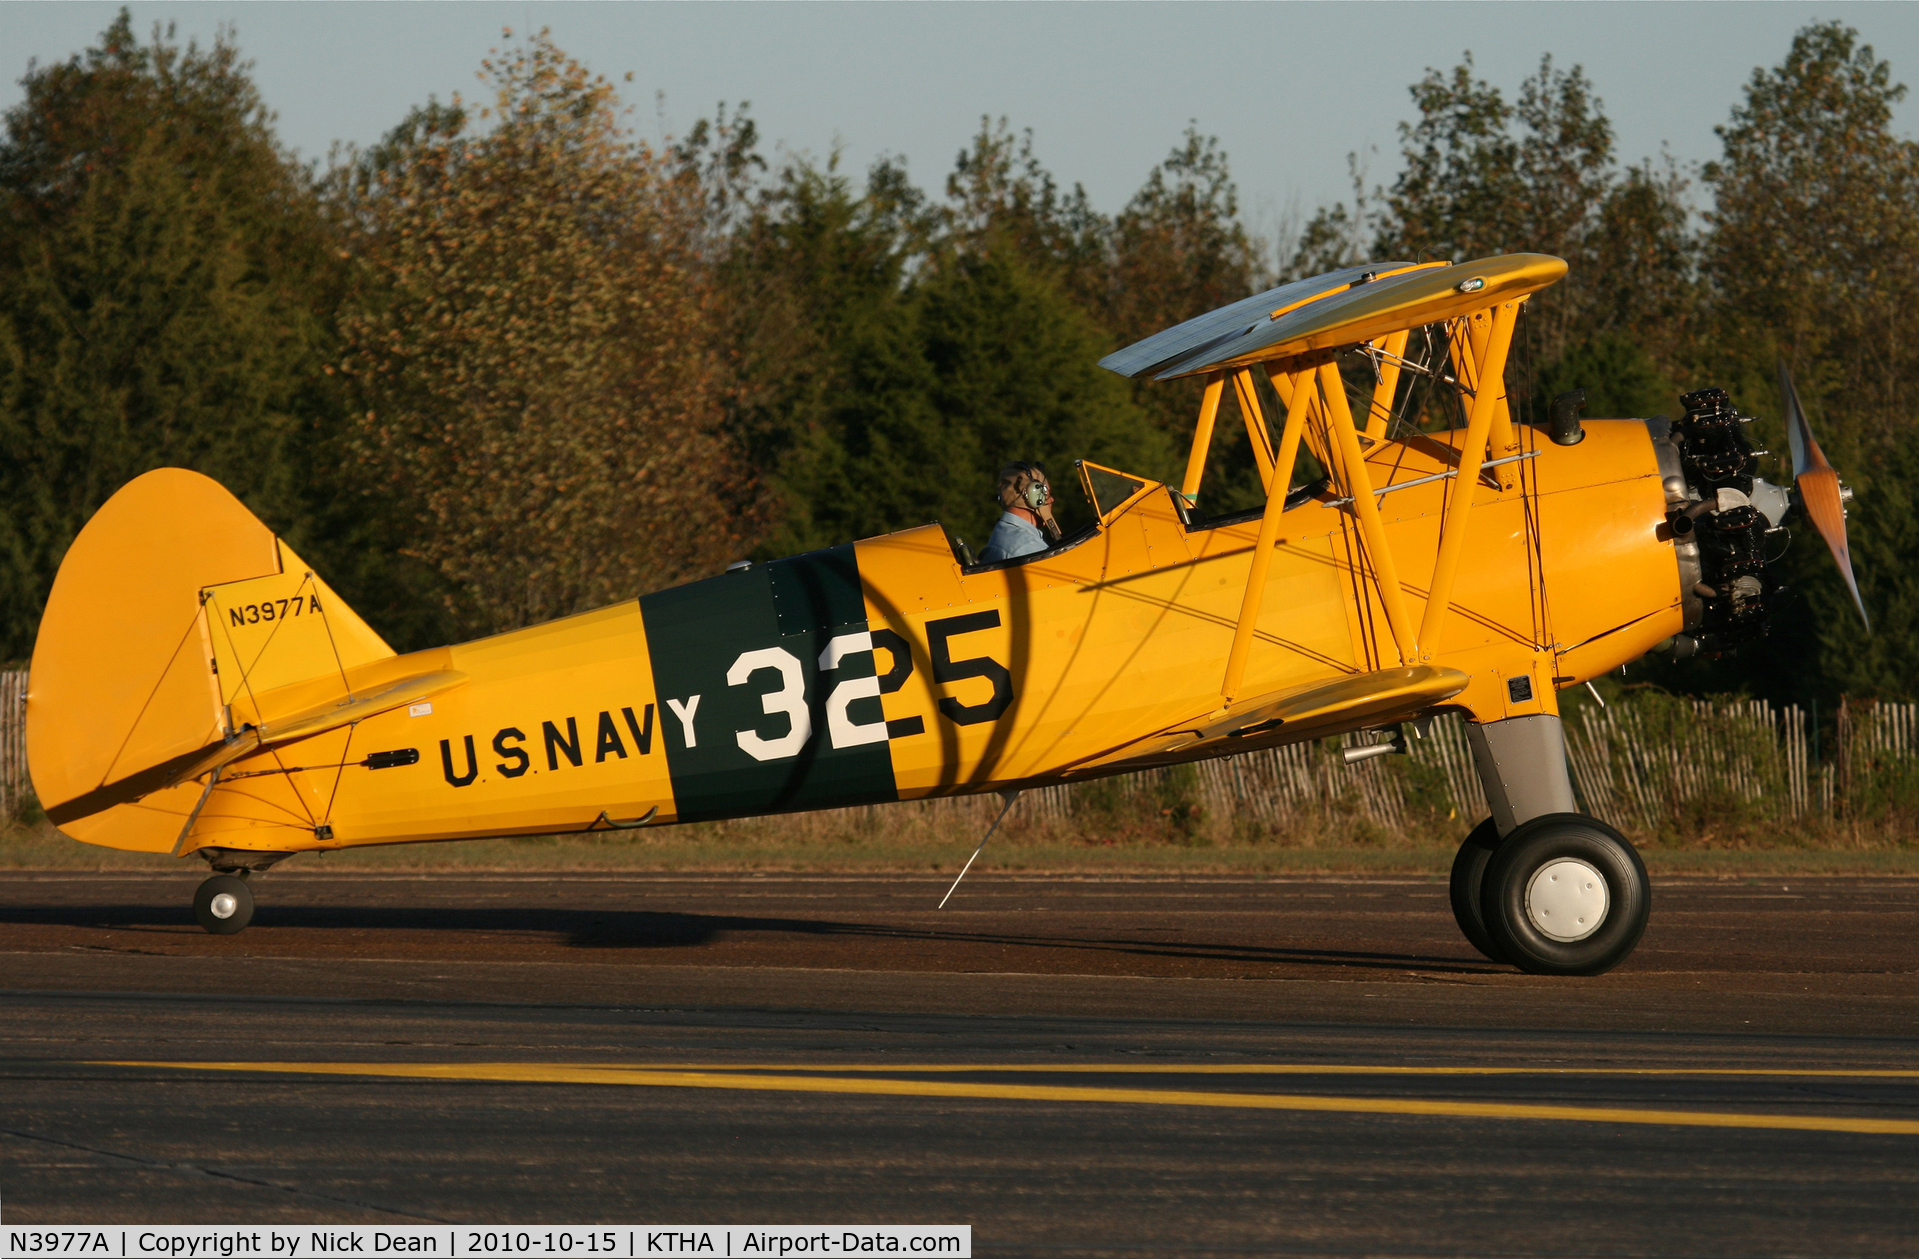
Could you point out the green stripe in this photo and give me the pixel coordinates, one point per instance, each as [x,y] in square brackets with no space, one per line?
[695,635]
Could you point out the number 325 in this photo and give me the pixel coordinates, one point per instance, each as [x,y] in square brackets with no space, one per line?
[842,731]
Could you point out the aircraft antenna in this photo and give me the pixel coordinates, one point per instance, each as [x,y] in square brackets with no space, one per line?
[1009,796]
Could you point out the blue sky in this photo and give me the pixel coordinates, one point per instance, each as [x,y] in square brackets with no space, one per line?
[1290,88]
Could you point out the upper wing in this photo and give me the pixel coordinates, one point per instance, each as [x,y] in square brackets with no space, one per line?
[1331,311]
[1228,323]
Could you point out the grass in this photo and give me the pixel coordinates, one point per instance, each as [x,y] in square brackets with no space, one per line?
[927,841]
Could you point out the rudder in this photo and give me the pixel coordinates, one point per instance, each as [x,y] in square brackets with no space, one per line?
[173,613]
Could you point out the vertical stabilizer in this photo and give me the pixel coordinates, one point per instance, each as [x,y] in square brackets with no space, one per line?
[172,610]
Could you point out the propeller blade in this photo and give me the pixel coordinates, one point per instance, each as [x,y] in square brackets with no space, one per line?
[1819,490]
[1798,433]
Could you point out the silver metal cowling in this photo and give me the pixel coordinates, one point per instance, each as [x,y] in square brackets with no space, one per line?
[1672,478]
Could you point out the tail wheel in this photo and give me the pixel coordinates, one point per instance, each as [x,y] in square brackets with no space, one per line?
[224,905]
[1469,877]
[1565,894]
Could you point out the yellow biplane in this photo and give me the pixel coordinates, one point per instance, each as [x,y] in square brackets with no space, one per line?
[197,689]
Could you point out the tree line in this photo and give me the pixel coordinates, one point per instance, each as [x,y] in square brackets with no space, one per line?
[515,361]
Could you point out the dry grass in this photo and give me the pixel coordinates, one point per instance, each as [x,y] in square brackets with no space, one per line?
[900,838]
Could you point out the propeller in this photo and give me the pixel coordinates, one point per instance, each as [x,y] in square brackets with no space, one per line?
[1820,493]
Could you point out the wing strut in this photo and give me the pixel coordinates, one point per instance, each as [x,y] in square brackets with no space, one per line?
[1358,482]
[1381,414]
[1472,455]
[1479,304]
[1299,402]
[1471,369]
[1202,438]
[1257,433]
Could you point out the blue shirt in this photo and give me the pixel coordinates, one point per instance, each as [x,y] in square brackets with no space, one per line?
[1012,537]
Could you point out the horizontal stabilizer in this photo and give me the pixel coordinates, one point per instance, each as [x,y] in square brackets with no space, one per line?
[304,725]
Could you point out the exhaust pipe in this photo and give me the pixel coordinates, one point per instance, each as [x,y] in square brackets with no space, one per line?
[1367,751]
[1566,429]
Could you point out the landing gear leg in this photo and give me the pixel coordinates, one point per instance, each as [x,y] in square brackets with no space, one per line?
[1558,893]
[224,904]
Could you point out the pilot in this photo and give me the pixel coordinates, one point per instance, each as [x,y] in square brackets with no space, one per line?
[1027,525]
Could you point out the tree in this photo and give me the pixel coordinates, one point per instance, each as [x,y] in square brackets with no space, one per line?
[894,354]
[1640,282]
[892,366]
[164,295]
[1015,375]
[1460,194]
[1483,176]
[1812,256]
[1813,252]
[531,339]
[1884,538]
[1000,197]
[1178,250]
[827,346]
[1337,236]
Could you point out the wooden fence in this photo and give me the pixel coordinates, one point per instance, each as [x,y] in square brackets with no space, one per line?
[1646,764]
[14,789]
[1649,764]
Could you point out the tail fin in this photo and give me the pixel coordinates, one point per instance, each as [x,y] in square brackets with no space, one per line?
[178,628]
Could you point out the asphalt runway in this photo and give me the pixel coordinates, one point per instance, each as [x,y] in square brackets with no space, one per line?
[1074,1066]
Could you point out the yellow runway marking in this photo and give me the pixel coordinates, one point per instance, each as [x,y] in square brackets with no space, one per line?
[1206,1068]
[709,1078]
[1252,1068]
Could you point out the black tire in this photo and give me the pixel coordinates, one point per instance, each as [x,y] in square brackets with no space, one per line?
[224,905]
[1557,846]
[1469,876]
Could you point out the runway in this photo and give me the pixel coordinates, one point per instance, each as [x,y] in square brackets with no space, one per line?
[1073,1066]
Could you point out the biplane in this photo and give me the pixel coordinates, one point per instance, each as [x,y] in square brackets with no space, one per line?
[198,689]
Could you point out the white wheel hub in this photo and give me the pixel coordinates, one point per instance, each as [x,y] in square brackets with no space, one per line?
[223,905]
[1567,900]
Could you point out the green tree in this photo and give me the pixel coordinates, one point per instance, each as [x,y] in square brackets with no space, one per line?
[1460,193]
[1813,251]
[1813,256]
[893,354]
[1336,236]
[825,345]
[165,287]
[1000,197]
[1640,281]
[1482,174]
[1015,376]
[1179,250]
[891,371]
[1884,537]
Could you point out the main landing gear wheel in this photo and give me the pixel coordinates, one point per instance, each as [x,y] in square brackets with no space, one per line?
[1565,894]
[1469,876]
[224,904]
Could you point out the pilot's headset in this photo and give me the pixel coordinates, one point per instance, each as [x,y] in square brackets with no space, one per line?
[1023,484]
